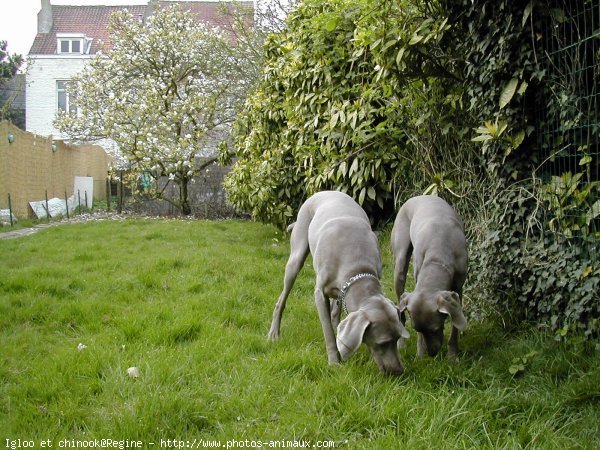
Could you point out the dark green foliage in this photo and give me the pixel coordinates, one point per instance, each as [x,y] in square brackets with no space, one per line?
[530,274]
[326,116]
[9,65]
[537,256]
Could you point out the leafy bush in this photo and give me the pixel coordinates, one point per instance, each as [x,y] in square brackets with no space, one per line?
[329,113]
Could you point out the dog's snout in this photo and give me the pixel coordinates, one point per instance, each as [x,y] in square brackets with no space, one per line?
[394,371]
[389,363]
[433,348]
[433,351]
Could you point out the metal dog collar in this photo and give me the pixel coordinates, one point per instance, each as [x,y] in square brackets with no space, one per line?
[341,300]
[443,266]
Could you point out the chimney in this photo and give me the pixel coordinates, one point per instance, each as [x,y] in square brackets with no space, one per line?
[45,17]
[153,5]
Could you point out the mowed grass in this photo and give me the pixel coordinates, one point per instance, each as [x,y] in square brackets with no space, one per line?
[190,302]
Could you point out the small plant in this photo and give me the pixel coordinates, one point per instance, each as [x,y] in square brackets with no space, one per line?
[520,363]
[572,204]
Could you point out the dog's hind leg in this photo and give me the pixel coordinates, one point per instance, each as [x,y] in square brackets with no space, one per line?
[298,253]
[402,249]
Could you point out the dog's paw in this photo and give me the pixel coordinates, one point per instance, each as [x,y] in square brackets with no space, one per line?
[453,356]
[273,335]
[334,359]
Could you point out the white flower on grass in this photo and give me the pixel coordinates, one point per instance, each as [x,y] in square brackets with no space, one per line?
[81,346]
[133,372]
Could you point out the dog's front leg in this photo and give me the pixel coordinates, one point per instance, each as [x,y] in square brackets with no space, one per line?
[421,345]
[453,344]
[324,310]
[336,313]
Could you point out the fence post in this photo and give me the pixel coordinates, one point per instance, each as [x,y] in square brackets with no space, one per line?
[121,193]
[107,194]
[10,210]
[67,204]
[79,200]
[47,208]
[86,200]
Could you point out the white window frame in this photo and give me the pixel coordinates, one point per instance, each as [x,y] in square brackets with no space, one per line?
[61,88]
[70,38]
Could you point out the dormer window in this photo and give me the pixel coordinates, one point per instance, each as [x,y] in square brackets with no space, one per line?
[70,46]
[73,44]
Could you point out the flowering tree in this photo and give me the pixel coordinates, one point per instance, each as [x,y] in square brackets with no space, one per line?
[164,93]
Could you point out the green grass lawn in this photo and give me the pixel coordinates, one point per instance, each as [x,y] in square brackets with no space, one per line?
[189,303]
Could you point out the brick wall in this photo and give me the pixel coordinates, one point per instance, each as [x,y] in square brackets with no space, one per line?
[29,167]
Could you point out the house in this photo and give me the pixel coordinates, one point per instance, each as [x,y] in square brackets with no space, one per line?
[67,37]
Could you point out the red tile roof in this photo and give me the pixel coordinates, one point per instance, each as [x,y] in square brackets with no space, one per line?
[93,22]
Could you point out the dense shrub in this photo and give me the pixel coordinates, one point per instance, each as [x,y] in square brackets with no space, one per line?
[323,118]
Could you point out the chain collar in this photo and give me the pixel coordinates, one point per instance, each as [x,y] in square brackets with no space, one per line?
[341,300]
[443,266]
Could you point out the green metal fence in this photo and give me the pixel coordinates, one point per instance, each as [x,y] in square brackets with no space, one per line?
[570,118]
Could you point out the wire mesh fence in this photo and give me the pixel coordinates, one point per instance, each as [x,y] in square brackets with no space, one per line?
[570,120]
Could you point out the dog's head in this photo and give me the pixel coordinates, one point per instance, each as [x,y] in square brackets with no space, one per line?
[428,313]
[378,326]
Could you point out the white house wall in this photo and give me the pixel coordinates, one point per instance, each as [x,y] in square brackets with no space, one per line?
[42,101]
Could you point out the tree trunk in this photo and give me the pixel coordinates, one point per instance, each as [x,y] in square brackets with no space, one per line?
[184,201]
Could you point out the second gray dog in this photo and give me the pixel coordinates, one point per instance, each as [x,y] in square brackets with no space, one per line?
[428,228]
[347,264]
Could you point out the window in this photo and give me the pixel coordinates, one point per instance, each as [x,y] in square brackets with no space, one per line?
[70,46]
[64,99]
[74,43]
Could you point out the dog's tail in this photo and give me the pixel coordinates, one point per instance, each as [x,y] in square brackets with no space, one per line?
[290,227]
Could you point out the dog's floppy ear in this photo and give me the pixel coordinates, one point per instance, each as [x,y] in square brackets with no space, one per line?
[403,303]
[403,331]
[350,333]
[449,303]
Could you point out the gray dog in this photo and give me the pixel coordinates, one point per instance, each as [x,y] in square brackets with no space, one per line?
[429,228]
[337,232]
